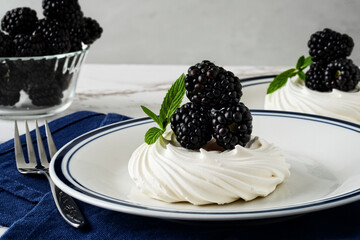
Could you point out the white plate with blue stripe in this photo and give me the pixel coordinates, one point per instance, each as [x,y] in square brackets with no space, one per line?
[324,155]
[254,91]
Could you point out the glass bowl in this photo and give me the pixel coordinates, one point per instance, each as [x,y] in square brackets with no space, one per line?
[34,87]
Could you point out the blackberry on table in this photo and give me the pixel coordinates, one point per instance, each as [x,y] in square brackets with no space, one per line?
[232,126]
[55,35]
[93,30]
[328,45]
[191,125]
[342,74]
[315,78]
[211,86]
[6,45]
[19,21]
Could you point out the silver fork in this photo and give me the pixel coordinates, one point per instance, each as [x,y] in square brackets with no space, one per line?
[64,203]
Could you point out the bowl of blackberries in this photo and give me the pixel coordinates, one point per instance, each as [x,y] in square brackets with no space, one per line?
[41,57]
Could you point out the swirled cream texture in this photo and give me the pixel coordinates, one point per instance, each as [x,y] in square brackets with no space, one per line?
[171,173]
[295,96]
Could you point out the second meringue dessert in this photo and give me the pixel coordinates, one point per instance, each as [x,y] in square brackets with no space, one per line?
[331,86]
[209,156]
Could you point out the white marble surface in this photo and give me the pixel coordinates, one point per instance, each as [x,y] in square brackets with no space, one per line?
[123,88]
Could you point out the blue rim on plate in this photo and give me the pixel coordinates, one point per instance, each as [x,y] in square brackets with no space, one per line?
[252,81]
[83,193]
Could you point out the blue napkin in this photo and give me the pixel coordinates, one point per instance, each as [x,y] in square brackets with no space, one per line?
[27,207]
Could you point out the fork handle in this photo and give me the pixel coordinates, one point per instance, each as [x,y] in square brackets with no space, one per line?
[66,205]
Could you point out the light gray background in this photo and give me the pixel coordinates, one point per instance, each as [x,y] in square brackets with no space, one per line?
[229,32]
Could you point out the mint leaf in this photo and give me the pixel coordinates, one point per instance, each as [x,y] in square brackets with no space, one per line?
[300,62]
[280,80]
[153,134]
[308,61]
[301,75]
[172,100]
[292,74]
[152,115]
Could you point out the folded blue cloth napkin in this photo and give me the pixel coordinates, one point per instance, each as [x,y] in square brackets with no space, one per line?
[27,207]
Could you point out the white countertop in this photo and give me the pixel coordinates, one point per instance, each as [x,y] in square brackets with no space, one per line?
[123,88]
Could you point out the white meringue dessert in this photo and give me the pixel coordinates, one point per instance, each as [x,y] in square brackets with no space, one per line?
[168,172]
[296,97]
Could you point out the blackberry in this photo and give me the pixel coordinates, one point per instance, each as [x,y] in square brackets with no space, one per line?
[19,21]
[93,30]
[4,69]
[68,12]
[64,80]
[27,46]
[315,78]
[9,97]
[45,95]
[6,45]
[18,72]
[211,86]
[232,126]
[41,73]
[328,45]
[191,125]
[41,84]
[77,34]
[55,35]
[342,74]
[63,75]
[9,89]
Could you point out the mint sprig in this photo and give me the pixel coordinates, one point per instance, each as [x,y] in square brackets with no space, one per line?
[171,102]
[281,79]
[153,134]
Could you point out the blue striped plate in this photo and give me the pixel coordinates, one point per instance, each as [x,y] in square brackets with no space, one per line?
[323,154]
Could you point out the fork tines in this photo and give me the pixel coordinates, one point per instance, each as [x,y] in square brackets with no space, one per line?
[64,203]
[32,163]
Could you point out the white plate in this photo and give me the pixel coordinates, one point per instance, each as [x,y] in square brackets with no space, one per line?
[254,91]
[323,154]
